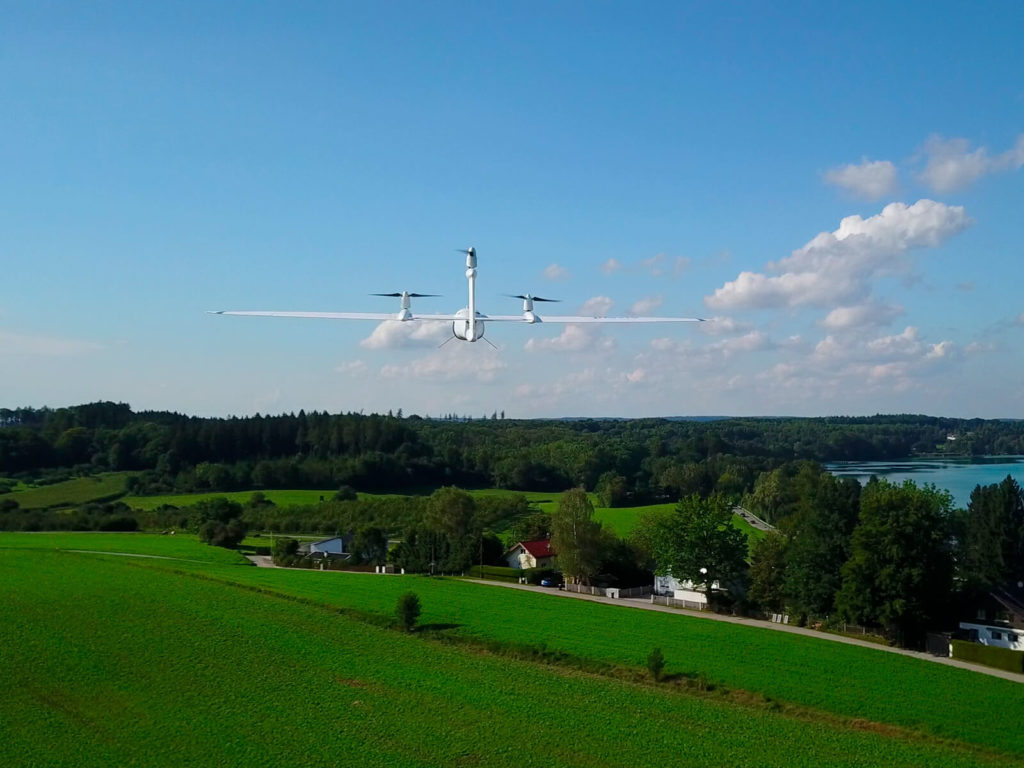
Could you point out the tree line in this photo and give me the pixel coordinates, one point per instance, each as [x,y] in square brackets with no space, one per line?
[628,462]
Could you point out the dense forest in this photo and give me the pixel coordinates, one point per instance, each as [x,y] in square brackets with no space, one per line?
[636,461]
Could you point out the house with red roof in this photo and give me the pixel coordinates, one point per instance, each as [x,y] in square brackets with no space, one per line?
[531,554]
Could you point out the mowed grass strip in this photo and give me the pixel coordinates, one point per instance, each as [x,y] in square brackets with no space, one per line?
[849,681]
[181,545]
[107,663]
[80,490]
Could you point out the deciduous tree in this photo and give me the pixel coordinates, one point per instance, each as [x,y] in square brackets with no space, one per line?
[576,536]
[899,574]
[698,542]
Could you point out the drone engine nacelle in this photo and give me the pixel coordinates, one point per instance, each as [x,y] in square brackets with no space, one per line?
[464,330]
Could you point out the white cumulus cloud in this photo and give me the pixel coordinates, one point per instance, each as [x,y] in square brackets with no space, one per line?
[579,337]
[573,338]
[840,267]
[870,180]
[723,325]
[859,316]
[466,362]
[610,266]
[951,164]
[597,306]
[391,334]
[646,305]
[557,273]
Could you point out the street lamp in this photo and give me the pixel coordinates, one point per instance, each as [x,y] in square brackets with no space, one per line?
[707,587]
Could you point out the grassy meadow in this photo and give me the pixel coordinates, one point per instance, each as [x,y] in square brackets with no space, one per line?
[110,486]
[120,661]
[115,653]
[69,493]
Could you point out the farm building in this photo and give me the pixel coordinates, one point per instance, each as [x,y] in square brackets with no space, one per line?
[531,554]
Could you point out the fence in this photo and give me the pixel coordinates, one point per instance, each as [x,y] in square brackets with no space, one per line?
[613,592]
[673,602]
[583,589]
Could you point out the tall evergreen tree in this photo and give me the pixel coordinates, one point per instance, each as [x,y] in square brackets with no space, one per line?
[992,540]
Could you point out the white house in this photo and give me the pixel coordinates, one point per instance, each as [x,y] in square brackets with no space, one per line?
[531,554]
[334,547]
[669,586]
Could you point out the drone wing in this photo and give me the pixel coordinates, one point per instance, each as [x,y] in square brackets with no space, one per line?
[334,315]
[587,319]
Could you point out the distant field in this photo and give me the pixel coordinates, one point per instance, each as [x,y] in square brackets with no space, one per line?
[116,662]
[281,498]
[180,545]
[620,520]
[80,490]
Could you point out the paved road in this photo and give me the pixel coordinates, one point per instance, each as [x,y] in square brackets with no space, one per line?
[752,519]
[645,604]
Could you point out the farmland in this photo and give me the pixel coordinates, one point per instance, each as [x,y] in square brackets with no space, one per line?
[116,655]
[826,683]
[619,520]
[805,671]
[80,490]
[110,486]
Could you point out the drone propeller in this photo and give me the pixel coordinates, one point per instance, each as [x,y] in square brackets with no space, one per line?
[410,295]
[528,297]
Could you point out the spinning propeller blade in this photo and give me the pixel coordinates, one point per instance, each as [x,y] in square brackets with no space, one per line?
[410,295]
[527,297]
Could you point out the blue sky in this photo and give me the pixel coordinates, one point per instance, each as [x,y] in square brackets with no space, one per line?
[838,187]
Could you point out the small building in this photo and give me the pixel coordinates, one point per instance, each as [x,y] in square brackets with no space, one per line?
[998,619]
[669,586]
[335,548]
[531,554]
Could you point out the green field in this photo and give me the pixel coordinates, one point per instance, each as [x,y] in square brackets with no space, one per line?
[828,683]
[280,498]
[116,661]
[180,546]
[620,520]
[80,490]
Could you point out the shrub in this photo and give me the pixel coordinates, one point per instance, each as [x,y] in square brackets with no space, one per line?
[228,535]
[656,664]
[990,656]
[408,610]
[346,493]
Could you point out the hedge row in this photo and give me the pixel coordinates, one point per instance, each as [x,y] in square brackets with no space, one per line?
[990,656]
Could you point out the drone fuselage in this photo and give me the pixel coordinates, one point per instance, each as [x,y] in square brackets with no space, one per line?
[465,329]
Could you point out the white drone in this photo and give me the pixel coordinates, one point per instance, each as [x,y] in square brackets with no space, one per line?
[467,323]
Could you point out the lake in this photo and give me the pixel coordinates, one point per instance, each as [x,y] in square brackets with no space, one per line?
[958,476]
